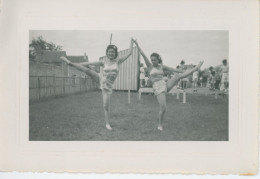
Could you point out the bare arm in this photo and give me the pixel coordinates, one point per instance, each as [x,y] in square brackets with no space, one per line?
[146,60]
[122,59]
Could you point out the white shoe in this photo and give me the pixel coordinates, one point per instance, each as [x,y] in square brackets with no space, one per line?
[108,127]
[199,65]
[160,128]
[65,60]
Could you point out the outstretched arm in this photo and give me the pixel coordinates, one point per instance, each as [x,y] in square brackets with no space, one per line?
[122,59]
[146,60]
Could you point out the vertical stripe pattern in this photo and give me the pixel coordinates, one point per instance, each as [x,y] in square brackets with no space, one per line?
[128,77]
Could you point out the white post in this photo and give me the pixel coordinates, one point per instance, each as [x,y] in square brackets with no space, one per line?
[216,95]
[128,96]
[184,97]
[110,39]
[139,94]
[129,90]
[178,96]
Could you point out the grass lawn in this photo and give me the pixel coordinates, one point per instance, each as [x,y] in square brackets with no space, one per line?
[80,117]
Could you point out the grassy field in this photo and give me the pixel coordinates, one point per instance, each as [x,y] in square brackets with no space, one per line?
[81,118]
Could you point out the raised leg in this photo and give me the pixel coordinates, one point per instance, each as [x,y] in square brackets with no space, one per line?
[80,67]
[173,81]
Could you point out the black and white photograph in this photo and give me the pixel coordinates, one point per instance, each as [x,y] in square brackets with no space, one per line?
[128,85]
[133,88]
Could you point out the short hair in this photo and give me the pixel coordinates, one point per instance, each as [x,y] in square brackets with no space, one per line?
[182,62]
[157,56]
[112,47]
[211,68]
[224,61]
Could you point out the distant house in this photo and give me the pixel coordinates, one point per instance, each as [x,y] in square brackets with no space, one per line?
[50,57]
[53,58]
[78,59]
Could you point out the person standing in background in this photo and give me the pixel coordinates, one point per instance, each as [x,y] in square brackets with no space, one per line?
[142,76]
[224,72]
[184,80]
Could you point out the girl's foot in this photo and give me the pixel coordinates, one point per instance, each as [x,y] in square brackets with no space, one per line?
[108,127]
[199,65]
[160,128]
[65,60]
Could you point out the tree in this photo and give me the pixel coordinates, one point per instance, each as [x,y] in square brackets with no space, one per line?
[39,44]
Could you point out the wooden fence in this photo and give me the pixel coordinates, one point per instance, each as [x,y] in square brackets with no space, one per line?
[41,87]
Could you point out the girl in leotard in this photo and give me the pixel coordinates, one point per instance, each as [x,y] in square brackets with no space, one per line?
[110,73]
[160,87]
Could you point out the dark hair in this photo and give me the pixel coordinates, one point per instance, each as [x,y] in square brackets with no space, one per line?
[112,47]
[210,68]
[182,62]
[224,61]
[157,56]
[178,67]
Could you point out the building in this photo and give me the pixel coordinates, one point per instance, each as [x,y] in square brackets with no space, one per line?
[78,59]
[53,62]
[50,57]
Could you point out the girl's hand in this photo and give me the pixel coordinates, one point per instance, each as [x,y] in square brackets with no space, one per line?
[135,43]
[132,40]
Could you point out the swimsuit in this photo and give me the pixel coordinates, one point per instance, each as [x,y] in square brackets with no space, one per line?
[110,73]
[156,76]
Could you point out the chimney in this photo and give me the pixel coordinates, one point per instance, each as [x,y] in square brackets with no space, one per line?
[85,57]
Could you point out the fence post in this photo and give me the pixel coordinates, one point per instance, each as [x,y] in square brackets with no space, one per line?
[39,88]
[54,85]
[64,85]
[216,95]
[70,83]
[45,86]
[184,97]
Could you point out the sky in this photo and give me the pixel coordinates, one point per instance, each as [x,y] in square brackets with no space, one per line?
[173,46]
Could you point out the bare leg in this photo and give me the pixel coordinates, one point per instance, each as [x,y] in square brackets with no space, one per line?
[226,86]
[106,106]
[162,102]
[80,67]
[194,86]
[173,81]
